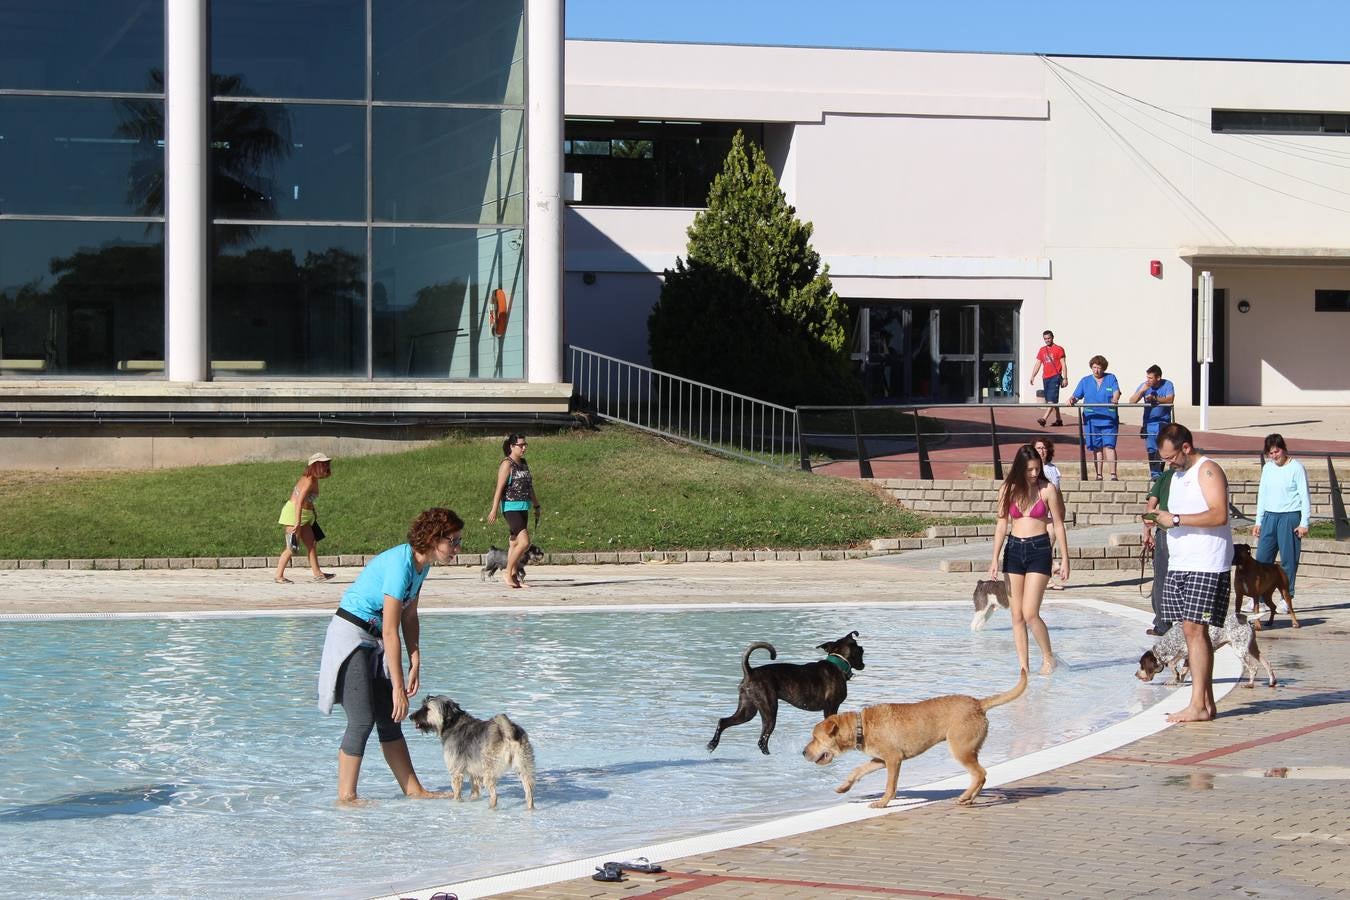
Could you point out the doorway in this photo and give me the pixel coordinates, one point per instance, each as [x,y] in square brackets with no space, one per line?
[940,352]
[1218,370]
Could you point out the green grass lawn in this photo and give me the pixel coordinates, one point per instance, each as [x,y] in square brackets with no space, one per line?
[608,490]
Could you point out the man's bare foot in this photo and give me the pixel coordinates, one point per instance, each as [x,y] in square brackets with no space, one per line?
[1190,714]
[1049,665]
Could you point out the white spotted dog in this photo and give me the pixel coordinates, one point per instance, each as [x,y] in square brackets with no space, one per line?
[988,597]
[1170,650]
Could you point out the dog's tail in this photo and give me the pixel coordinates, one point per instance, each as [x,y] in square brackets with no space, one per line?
[758,645]
[520,752]
[989,703]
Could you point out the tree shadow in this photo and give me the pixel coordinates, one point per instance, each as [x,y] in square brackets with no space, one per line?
[127,801]
[558,786]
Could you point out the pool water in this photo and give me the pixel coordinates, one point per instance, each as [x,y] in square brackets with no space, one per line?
[185,756]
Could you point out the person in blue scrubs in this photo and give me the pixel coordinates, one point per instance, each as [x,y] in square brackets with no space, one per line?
[1157,394]
[1101,419]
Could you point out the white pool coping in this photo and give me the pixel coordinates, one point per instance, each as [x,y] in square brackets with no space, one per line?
[1147,722]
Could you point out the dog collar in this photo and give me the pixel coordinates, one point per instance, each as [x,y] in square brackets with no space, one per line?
[840,663]
[858,733]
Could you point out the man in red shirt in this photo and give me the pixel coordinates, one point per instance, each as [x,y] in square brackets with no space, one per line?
[1054,373]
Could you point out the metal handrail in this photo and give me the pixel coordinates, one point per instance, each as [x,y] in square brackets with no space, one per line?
[682,409]
[921,439]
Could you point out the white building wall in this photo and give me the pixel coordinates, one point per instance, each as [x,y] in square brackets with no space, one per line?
[983,176]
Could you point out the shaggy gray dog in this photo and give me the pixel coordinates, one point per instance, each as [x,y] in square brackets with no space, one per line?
[482,750]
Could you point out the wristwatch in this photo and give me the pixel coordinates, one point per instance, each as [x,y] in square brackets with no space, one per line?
[1176,520]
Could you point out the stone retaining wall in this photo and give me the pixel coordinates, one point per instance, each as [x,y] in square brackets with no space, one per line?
[1086,502]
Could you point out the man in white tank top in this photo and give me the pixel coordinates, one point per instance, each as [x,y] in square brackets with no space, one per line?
[1200,554]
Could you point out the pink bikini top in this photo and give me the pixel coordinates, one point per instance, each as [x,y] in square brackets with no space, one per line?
[1036,512]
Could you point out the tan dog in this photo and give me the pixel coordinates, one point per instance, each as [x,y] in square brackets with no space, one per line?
[1259,581]
[894,732]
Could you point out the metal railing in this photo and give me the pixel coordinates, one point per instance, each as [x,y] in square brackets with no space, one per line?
[889,431]
[1339,518]
[641,397]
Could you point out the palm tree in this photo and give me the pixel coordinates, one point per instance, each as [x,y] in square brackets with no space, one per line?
[247,139]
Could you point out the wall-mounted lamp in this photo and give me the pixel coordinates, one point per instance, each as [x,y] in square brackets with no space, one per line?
[588,278]
[1244,306]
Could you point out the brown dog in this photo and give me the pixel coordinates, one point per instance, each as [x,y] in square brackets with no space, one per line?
[1259,581]
[894,732]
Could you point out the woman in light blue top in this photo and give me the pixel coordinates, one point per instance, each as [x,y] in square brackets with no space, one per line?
[1282,509]
[362,666]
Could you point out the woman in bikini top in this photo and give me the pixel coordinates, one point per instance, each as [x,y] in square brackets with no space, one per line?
[1023,549]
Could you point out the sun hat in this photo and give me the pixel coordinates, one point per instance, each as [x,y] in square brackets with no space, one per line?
[317,458]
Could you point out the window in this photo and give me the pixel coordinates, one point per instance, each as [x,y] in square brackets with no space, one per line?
[1331,301]
[649,163]
[1256,121]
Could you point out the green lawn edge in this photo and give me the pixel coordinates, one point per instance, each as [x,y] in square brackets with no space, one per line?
[611,489]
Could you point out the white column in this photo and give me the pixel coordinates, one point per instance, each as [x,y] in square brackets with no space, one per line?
[185,214]
[544,205]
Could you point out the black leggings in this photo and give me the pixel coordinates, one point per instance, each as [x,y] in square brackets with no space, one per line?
[368,701]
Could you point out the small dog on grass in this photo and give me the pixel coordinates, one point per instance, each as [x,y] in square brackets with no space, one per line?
[988,597]
[495,560]
[1170,650]
[821,685]
[481,750]
[891,733]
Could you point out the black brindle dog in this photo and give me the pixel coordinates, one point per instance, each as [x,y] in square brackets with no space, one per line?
[818,686]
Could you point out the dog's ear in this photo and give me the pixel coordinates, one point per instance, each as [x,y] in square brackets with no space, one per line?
[831,726]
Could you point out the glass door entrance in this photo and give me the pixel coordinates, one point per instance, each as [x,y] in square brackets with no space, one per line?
[948,352]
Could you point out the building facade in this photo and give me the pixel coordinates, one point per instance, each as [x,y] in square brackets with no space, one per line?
[303,206]
[967,202]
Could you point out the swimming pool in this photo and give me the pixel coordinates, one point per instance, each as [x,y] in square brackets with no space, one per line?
[174,756]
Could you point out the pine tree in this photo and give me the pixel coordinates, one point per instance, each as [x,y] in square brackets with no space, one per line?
[751,310]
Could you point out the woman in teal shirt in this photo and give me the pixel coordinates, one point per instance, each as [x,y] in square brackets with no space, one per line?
[514,497]
[362,666]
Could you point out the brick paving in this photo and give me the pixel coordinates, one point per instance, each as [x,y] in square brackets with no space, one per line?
[1184,812]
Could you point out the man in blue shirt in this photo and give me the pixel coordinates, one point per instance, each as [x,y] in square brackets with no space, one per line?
[1158,394]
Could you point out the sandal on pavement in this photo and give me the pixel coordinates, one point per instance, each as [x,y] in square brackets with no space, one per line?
[281,579]
[1040,422]
[323,577]
[1059,424]
[641,864]
[608,872]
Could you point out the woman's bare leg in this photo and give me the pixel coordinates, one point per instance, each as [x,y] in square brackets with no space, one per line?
[1033,592]
[1019,624]
[1111,458]
[282,563]
[519,544]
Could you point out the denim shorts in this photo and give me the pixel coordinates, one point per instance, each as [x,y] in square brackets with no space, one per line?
[1051,386]
[1022,556]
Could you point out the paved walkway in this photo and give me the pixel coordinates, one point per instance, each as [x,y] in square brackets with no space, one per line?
[1183,812]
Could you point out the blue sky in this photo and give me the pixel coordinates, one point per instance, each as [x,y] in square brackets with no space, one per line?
[1258,29]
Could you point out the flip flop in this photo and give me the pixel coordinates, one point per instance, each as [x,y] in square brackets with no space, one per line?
[1059,424]
[1040,422]
[641,864]
[608,872]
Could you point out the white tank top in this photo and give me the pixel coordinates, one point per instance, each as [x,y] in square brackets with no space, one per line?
[1192,549]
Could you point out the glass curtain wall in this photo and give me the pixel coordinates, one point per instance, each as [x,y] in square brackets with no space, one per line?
[367,188]
[81,187]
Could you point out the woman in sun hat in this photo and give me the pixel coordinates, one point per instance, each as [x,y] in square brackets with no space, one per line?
[299,517]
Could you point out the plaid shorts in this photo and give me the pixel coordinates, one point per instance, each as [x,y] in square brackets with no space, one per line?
[1196,597]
